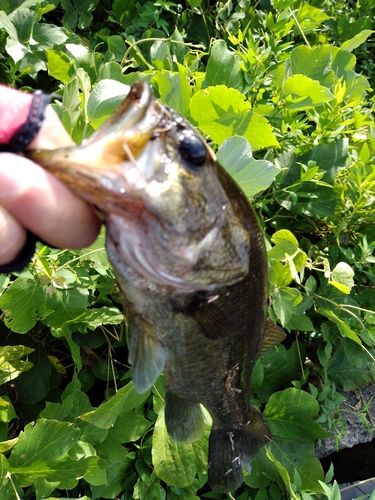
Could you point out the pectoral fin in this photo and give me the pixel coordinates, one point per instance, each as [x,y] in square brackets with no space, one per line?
[146,355]
[209,318]
[212,321]
[273,335]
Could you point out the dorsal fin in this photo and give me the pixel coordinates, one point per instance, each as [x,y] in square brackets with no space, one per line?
[273,335]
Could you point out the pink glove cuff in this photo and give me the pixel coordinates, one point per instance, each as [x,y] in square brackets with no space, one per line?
[21,116]
[14,110]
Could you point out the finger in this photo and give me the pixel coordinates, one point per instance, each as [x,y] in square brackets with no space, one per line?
[45,206]
[52,133]
[12,237]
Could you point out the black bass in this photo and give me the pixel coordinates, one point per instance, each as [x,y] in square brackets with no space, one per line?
[189,257]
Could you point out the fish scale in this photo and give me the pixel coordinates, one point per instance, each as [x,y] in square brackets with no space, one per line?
[189,257]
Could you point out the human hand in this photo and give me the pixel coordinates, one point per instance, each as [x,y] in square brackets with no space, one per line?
[31,198]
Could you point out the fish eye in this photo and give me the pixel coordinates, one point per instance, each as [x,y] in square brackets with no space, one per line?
[192,149]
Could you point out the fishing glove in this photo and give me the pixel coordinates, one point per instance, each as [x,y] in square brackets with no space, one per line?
[21,116]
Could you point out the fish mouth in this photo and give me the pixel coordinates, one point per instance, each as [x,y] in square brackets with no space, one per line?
[104,170]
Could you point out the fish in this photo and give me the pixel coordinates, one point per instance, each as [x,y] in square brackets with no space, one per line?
[189,257]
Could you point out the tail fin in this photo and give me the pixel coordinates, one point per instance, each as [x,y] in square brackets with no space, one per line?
[232,449]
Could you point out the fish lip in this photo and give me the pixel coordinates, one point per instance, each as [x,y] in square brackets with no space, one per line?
[130,113]
[107,160]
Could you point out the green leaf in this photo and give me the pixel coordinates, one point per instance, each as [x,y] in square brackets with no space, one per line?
[222,112]
[40,448]
[309,198]
[6,23]
[351,366]
[6,490]
[279,367]
[105,98]
[290,413]
[314,63]
[345,330]
[331,158]
[284,302]
[7,412]
[11,366]
[195,3]
[115,476]
[105,415]
[174,89]
[223,67]
[130,427]
[251,175]
[300,322]
[342,277]
[149,488]
[160,55]
[177,463]
[290,416]
[47,36]
[117,45]
[286,245]
[283,473]
[60,66]
[356,41]
[4,280]
[301,92]
[40,378]
[310,18]
[24,20]
[292,455]
[20,304]
[94,318]
[67,306]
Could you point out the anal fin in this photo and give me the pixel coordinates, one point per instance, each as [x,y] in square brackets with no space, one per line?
[232,449]
[146,355]
[184,420]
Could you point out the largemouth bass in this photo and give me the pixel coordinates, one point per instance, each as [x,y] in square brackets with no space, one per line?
[189,258]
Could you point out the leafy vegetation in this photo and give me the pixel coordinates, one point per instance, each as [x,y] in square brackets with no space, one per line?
[282,90]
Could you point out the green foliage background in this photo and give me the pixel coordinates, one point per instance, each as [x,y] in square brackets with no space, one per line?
[282,90]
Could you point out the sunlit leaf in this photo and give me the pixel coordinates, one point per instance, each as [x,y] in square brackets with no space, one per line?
[251,175]
[178,463]
[222,112]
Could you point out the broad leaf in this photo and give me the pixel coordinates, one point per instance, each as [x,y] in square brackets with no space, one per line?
[176,463]
[279,367]
[314,63]
[21,302]
[251,175]
[11,366]
[105,98]
[174,89]
[125,400]
[290,414]
[40,448]
[223,67]
[351,366]
[222,112]
[302,92]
